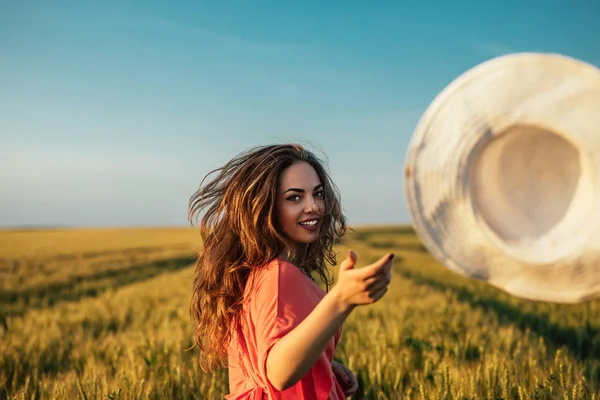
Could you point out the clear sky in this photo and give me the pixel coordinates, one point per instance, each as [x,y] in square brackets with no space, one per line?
[111,112]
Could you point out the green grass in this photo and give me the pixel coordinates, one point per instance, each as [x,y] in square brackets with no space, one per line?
[104,314]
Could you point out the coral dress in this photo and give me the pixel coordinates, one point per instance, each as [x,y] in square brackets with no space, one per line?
[281,297]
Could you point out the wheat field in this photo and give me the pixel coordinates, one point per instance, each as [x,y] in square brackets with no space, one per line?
[103,314]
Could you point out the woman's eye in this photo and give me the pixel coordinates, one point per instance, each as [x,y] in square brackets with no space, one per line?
[320,194]
[294,198]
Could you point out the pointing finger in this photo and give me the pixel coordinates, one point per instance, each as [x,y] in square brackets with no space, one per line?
[378,267]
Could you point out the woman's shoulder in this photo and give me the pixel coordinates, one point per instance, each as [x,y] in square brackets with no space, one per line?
[275,282]
[277,270]
[276,277]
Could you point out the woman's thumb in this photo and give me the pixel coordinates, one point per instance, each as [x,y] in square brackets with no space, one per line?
[349,262]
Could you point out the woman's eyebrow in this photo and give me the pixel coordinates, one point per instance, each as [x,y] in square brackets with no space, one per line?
[302,190]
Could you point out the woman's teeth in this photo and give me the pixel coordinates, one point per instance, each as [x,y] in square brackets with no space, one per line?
[309,223]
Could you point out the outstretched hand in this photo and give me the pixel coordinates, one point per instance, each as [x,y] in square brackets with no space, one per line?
[365,285]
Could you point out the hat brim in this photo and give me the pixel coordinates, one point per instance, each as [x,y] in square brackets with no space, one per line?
[502,176]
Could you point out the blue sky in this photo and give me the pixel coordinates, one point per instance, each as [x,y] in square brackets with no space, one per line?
[111,112]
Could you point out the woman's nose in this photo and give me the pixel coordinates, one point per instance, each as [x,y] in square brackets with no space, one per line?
[311,205]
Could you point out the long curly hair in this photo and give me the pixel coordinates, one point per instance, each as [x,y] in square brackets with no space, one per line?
[240,233]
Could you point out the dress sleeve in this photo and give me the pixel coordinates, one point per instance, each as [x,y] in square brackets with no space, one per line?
[274,306]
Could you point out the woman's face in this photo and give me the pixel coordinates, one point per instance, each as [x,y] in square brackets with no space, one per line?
[300,203]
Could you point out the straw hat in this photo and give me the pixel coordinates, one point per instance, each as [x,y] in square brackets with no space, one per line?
[502,176]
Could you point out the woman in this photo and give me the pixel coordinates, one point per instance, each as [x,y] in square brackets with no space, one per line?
[271,217]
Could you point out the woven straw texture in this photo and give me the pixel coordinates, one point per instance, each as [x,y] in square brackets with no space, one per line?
[502,176]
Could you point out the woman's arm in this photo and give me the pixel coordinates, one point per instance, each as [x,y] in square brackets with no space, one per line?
[295,354]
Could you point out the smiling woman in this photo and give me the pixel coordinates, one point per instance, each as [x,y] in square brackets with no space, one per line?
[300,203]
[271,217]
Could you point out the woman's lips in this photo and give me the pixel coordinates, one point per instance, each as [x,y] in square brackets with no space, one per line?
[310,228]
